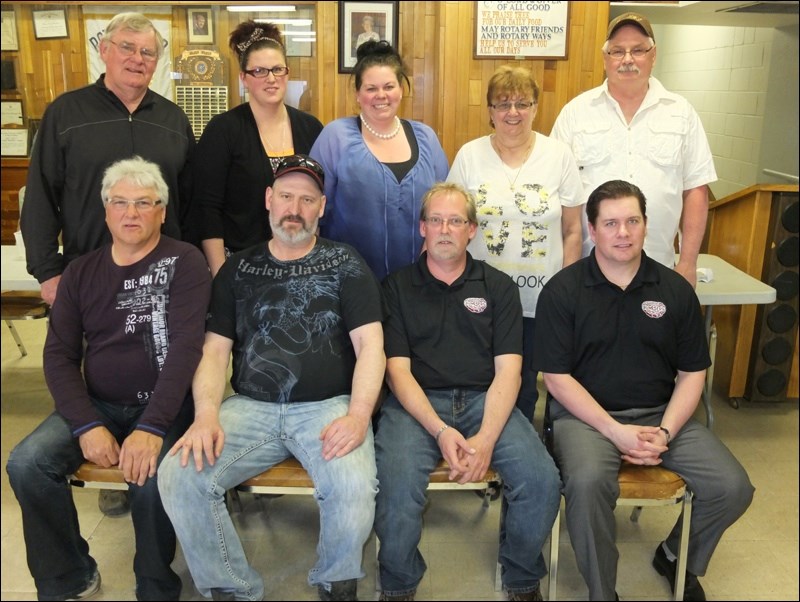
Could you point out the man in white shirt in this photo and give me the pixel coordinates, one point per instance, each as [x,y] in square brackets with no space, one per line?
[631,128]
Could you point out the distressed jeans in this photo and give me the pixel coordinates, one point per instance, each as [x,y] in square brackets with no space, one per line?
[258,435]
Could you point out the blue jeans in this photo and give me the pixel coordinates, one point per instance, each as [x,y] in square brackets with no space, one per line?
[406,454]
[258,435]
[58,557]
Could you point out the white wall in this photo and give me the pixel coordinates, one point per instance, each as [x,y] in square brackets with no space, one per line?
[725,73]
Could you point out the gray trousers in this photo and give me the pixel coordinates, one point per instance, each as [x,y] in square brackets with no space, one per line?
[589,465]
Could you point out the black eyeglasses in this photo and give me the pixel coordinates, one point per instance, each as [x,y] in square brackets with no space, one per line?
[262,72]
[301,163]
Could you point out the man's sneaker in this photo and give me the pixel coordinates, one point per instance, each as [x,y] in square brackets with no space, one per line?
[692,590]
[340,590]
[114,502]
[535,595]
[91,589]
[400,598]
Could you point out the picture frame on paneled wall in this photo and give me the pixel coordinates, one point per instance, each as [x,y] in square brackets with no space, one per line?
[362,21]
[533,30]
[200,25]
[11,113]
[50,24]
[8,34]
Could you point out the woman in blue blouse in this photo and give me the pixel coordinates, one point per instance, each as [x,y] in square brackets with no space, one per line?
[378,166]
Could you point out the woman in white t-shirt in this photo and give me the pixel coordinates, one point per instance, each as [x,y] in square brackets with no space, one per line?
[529,197]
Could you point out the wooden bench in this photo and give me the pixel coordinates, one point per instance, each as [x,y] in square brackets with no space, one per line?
[290,478]
[285,478]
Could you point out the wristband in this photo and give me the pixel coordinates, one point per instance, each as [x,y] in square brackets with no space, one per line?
[441,430]
[666,431]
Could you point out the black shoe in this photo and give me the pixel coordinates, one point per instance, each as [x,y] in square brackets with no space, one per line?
[402,598]
[114,502]
[692,590]
[91,588]
[535,595]
[340,590]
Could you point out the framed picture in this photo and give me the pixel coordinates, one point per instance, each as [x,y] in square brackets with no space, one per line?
[200,25]
[533,30]
[8,39]
[11,113]
[50,24]
[362,21]
[14,142]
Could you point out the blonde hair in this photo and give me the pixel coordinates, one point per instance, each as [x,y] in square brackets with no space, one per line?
[449,188]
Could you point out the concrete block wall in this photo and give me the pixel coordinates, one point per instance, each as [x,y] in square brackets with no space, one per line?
[724,72]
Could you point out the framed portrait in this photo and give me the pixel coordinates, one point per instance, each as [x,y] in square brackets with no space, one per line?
[200,25]
[362,21]
[50,24]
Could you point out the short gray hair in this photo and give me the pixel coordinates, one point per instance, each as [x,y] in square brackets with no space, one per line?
[137,171]
[137,23]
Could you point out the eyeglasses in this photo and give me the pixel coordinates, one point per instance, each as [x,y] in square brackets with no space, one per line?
[436,221]
[520,105]
[262,72]
[637,53]
[141,205]
[127,49]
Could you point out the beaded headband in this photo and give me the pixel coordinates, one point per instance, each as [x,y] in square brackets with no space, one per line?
[257,35]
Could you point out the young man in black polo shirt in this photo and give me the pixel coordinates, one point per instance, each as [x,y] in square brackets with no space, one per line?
[623,353]
[453,343]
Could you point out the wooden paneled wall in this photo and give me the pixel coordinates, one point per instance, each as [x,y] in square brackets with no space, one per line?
[448,89]
[436,40]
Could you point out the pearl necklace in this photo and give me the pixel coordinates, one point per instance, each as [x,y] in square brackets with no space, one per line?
[378,134]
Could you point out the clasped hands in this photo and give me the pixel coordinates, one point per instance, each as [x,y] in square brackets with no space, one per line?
[469,459]
[640,444]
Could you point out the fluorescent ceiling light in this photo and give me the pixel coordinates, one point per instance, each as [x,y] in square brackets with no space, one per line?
[295,22]
[304,39]
[299,33]
[263,8]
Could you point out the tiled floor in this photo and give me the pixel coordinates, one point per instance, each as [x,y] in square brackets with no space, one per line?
[756,560]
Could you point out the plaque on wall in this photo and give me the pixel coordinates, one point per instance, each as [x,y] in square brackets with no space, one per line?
[200,66]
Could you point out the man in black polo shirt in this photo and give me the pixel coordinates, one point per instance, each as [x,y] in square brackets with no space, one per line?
[453,343]
[623,353]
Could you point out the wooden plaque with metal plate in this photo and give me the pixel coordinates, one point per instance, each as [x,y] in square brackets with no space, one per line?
[202,92]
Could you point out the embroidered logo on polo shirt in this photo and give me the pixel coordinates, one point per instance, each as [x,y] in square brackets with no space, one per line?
[654,309]
[475,304]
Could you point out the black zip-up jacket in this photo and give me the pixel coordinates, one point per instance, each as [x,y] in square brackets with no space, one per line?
[82,133]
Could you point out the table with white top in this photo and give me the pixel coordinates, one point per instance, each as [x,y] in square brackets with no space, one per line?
[729,286]
[15,276]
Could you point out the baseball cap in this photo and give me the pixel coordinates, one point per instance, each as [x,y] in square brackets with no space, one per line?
[303,164]
[631,19]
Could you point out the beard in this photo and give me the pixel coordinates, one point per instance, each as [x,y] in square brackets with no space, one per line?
[304,234]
